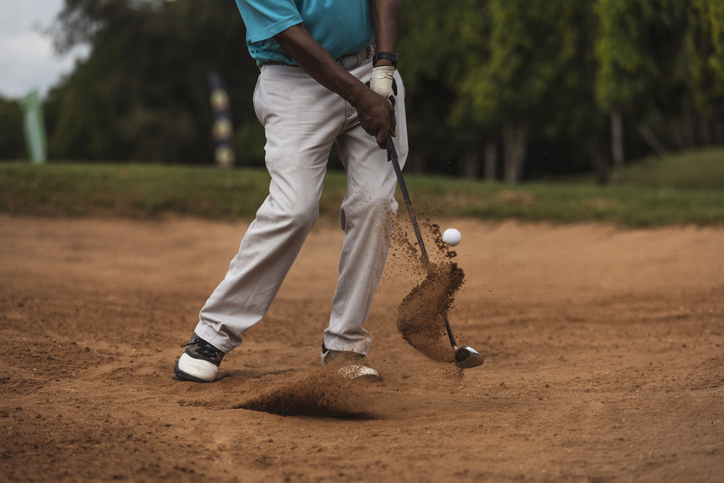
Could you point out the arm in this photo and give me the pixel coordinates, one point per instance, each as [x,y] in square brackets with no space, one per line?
[376,115]
[386,21]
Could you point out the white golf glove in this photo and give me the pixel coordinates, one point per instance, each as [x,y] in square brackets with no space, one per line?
[382,82]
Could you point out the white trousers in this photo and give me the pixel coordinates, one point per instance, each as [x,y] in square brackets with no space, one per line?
[303,120]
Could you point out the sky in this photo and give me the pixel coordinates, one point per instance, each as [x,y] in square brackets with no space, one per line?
[27,58]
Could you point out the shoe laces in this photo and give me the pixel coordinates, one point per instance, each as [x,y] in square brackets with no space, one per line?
[204,348]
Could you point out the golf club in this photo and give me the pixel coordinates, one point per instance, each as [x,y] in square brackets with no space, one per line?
[465,356]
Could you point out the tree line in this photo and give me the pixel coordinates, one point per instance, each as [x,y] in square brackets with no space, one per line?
[497,89]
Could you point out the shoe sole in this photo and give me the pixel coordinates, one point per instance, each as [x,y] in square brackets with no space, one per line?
[183,376]
[355,372]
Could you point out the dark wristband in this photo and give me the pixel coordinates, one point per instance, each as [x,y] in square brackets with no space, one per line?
[385,55]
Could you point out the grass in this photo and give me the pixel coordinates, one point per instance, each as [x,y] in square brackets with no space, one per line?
[702,169]
[659,192]
[628,205]
[129,190]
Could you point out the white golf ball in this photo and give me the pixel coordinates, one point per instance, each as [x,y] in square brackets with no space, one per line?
[451,237]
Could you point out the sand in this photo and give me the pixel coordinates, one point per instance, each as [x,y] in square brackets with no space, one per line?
[423,313]
[603,350]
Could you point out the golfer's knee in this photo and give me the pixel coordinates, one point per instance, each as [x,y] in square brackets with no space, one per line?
[301,216]
[381,204]
[380,212]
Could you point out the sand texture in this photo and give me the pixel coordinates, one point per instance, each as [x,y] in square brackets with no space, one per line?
[603,359]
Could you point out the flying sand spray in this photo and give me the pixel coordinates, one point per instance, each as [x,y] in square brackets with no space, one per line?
[465,357]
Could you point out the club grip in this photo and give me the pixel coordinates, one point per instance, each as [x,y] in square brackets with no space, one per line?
[391,151]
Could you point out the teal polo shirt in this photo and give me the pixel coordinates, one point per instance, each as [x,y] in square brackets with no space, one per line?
[340,26]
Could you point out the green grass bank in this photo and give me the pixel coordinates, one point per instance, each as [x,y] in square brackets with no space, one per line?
[687,189]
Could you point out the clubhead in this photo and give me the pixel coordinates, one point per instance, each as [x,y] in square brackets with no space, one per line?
[466,357]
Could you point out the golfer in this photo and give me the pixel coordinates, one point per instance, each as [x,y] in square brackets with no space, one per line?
[328,76]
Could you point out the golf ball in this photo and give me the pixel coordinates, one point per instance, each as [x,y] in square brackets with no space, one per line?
[451,237]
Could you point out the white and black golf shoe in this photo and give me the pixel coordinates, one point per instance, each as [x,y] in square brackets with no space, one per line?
[199,362]
[349,364]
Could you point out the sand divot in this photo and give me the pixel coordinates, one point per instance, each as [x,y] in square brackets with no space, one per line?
[323,394]
[420,315]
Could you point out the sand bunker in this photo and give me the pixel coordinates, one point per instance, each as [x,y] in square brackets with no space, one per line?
[606,351]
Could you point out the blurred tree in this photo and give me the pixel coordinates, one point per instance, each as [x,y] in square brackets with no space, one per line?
[249,143]
[143,93]
[705,67]
[434,43]
[534,74]
[638,49]
[12,143]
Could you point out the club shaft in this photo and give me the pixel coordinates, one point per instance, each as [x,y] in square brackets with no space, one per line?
[392,156]
[410,210]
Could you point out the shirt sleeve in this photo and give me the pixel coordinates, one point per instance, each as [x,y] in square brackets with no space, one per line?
[266,18]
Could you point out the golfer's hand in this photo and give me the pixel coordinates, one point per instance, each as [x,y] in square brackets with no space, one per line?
[383,83]
[377,116]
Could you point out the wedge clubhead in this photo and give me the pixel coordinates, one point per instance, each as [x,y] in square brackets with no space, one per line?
[466,357]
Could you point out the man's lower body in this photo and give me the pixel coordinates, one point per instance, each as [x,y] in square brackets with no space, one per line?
[302,121]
